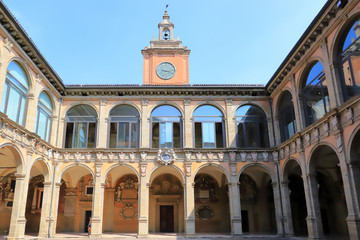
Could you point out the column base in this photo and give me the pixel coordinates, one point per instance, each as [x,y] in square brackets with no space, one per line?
[190,235]
[353,227]
[143,236]
[237,227]
[95,235]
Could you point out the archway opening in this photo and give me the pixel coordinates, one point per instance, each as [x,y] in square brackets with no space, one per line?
[293,174]
[166,198]
[75,200]
[10,164]
[212,208]
[324,163]
[34,202]
[121,201]
[257,201]
[355,162]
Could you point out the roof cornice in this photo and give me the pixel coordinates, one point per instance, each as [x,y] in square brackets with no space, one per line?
[19,35]
[304,44]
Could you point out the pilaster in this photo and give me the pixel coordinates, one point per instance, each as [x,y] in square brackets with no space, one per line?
[18,220]
[145,125]
[98,208]
[278,212]
[54,209]
[188,125]
[300,124]
[4,58]
[102,132]
[288,224]
[230,131]
[143,229]
[235,208]
[45,210]
[189,207]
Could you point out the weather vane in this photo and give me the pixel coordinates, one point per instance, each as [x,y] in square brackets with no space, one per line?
[167,5]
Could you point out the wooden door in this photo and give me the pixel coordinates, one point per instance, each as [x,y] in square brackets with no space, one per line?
[166,218]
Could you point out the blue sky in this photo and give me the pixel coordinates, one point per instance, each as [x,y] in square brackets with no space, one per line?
[100,42]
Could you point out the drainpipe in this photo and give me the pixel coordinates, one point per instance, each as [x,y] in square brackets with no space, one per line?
[277,173]
[54,171]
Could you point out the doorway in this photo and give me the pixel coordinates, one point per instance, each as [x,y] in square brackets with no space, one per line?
[87,220]
[167,219]
[245,220]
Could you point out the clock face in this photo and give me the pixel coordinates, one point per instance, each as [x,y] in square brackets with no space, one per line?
[165,70]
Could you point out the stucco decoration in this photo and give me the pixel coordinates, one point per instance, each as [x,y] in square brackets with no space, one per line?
[8,44]
[198,157]
[325,129]
[66,156]
[111,157]
[126,189]
[221,156]
[77,157]
[121,158]
[129,212]
[210,156]
[232,156]
[349,114]
[132,157]
[339,142]
[166,184]
[265,156]
[188,156]
[247,188]
[233,169]
[188,169]
[166,156]
[88,157]
[143,156]
[56,156]
[98,170]
[85,183]
[243,156]
[205,188]
[205,212]
[143,170]
[99,156]
[254,156]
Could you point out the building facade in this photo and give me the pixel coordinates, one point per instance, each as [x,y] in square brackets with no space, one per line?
[167,156]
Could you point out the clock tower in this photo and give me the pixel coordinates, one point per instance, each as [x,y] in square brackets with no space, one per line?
[166,60]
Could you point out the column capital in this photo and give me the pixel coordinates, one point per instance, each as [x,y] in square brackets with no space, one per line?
[19,176]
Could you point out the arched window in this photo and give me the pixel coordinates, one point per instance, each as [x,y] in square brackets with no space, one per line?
[124,125]
[15,93]
[209,132]
[80,127]
[315,94]
[43,116]
[251,127]
[166,127]
[286,116]
[350,60]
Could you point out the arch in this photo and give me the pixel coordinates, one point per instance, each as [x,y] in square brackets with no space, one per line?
[339,34]
[354,133]
[221,168]
[210,103]
[116,104]
[255,104]
[305,70]
[287,162]
[26,68]
[60,176]
[109,169]
[74,104]
[153,174]
[264,167]
[12,147]
[316,147]
[51,97]
[46,167]
[277,104]
[164,103]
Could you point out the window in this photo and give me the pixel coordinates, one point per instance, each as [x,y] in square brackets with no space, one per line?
[166,127]
[15,93]
[251,127]
[43,116]
[124,125]
[286,116]
[315,95]
[208,127]
[350,61]
[80,127]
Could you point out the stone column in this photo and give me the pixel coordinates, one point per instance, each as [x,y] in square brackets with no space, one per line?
[277,130]
[102,129]
[98,205]
[145,125]
[54,209]
[31,111]
[188,125]
[313,219]
[350,177]
[143,229]
[270,131]
[189,206]
[18,221]
[299,116]
[33,203]
[289,229]
[278,213]
[230,131]
[45,210]
[235,208]
[332,77]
